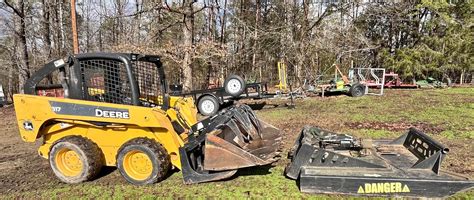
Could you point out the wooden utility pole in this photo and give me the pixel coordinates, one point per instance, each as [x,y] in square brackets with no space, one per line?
[75,41]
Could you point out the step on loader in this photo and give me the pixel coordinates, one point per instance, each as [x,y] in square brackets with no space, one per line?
[111,109]
[326,162]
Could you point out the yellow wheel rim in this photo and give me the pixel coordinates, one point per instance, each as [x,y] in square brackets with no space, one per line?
[68,162]
[137,165]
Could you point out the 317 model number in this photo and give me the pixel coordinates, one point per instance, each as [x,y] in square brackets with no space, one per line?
[56,109]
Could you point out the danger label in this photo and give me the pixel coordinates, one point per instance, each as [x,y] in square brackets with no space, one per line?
[388,187]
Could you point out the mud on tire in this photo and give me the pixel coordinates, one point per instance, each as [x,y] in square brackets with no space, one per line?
[156,153]
[88,159]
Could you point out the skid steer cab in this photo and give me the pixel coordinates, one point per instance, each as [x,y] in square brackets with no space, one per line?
[104,109]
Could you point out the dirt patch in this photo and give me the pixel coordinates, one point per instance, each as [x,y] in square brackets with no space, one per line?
[397,127]
[22,169]
[459,159]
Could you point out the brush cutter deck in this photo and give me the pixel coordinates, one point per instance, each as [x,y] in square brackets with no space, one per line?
[327,162]
[231,140]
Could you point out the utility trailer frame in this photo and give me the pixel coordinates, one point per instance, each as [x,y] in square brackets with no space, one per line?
[260,93]
[370,78]
[327,162]
[251,91]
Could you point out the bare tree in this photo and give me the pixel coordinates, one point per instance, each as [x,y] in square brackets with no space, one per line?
[20,33]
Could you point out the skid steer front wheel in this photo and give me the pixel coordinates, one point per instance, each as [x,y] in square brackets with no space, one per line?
[143,161]
[75,159]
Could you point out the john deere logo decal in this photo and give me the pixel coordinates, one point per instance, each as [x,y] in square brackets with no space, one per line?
[389,187]
[27,125]
[111,114]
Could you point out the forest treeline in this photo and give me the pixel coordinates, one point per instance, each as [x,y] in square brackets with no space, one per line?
[210,39]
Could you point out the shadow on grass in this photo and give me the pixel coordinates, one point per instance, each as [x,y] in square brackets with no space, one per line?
[106,170]
[251,171]
[257,106]
[335,93]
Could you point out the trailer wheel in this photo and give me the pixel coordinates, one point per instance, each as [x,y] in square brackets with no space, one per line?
[357,90]
[208,105]
[75,159]
[234,85]
[143,161]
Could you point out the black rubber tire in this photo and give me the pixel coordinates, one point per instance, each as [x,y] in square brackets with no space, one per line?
[357,90]
[157,154]
[90,154]
[227,85]
[211,99]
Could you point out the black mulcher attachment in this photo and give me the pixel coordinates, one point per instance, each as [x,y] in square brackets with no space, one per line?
[326,162]
[232,139]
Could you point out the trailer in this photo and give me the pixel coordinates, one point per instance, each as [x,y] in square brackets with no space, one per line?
[210,101]
[392,80]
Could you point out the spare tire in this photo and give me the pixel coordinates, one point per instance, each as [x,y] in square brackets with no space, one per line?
[234,85]
[357,90]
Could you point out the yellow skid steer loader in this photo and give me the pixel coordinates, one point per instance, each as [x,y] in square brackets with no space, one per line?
[114,110]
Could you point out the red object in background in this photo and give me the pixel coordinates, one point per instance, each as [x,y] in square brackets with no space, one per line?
[51,92]
[214,83]
[393,81]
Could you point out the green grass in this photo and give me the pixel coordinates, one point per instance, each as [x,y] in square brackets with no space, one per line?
[450,109]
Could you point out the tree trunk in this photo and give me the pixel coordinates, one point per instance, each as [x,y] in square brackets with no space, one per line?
[223,23]
[10,85]
[46,29]
[187,29]
[255,41]
[24,67]
[62,36]
[20,36]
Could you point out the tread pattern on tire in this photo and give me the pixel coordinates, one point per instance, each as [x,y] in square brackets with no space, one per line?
[240,79]
[158,149]
[356,86]
[94,157]
[214,100]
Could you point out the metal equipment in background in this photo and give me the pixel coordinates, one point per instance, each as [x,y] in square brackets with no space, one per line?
[282,76]
[392,80]
[113,109]
[372,78]
[340,84]
[431,82]
[328,162]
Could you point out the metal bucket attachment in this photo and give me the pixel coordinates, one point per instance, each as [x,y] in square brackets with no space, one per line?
[231,140]
[327,162]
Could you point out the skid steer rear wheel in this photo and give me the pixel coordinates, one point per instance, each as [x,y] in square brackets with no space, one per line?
[143,161]
[75,159]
